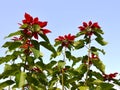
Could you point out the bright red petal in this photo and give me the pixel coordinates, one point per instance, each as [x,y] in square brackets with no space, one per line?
[28,18]
[35,35]
[45,31]
[95,25]
[85,24]
[90,23]
[42,24]
[36,20]
[81,28]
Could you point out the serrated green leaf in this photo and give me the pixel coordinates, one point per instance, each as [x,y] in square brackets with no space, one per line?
[83,88]
[20,79]
[14,34]
[36,53]
[99,65]
[6,83]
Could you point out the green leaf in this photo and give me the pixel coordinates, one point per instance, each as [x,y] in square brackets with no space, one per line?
[51,64]
[80,33]
[10,70]
[82,68]
[68,54]
[106,86]
[14,34]
[7,44]
[44,37]
[97,82]
[101,41]
[61,63]
[99,31]
[75,60]
[48,46]
[35,44]
[99,65]
[94,49]
[7,58]
[32,80]
[24,26]
[116,81]
[52,82]
[12,45]
[97,75]
[83,88]
[59,50]
[20,79]
[78,44]
[36,53]
[57,43]
[6,83]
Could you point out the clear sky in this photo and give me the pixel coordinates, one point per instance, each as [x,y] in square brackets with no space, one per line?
[64,16]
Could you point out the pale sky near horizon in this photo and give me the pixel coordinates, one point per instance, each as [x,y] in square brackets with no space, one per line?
[64,16]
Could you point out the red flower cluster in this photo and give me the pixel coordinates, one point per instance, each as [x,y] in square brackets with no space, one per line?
[17,39]
[109,76]
[30,23]
[27,44]
[89,27]
[66,40]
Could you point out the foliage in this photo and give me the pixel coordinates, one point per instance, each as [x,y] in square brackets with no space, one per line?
[25,67]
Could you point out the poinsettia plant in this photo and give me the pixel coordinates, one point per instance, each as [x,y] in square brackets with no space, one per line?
[25,67]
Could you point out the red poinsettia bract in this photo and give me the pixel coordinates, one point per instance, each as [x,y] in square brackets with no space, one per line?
[89,27]
[26,45]
[110,76]
[66,40]
[30,21]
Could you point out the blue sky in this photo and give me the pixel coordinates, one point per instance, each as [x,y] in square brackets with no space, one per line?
[64,16]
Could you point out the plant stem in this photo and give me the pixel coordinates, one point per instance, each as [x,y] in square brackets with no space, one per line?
[88,65]
[62,79]
[64,57]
